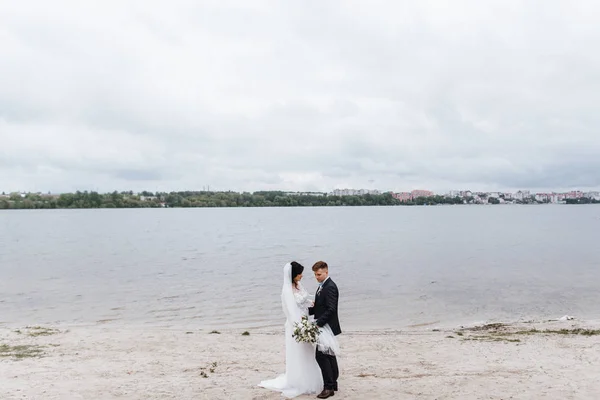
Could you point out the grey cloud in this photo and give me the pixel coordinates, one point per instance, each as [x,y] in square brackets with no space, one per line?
[317,95]
[138,175]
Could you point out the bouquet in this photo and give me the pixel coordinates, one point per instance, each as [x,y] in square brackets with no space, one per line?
[305,331]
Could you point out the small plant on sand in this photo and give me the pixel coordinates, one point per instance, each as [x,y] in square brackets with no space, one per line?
[487,327]
[40,331]
[576,331]
[20,352]
[246,333]
[211,369]
[215,333]
[364,375]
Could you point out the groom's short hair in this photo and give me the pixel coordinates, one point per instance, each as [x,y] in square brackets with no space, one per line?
[319,265]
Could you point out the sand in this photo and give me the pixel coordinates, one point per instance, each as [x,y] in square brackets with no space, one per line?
[121,362]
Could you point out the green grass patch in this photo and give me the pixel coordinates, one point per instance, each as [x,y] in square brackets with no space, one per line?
[576,331]
[487,327]
[40,331]
[20,352]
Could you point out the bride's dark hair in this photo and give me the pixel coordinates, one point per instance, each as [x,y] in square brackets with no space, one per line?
[297,269]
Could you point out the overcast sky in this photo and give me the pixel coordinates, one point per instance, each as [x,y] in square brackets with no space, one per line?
[299,95]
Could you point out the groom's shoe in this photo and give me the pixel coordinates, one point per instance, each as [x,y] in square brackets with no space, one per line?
[325,394]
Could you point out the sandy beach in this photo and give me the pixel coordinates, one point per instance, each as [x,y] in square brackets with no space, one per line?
[536,360]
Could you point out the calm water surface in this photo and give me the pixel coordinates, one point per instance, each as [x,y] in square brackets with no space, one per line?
[221,268]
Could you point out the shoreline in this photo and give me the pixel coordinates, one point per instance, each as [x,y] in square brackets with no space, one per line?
[538,359]
[374,328]
[298,206]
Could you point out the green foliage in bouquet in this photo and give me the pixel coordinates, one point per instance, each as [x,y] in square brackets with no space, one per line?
[305,331]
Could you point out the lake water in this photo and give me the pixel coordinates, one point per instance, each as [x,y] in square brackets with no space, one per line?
[396,267]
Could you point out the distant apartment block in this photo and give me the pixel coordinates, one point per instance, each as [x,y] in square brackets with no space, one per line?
[543,197]
[522,194]
[305,194]
[402,196]
[593,195]
[354,192]
[421,193]
[502,197]
[576,194]
[407,196]
[460,193]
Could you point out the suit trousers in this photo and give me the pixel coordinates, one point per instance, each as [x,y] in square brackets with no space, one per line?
[329,370]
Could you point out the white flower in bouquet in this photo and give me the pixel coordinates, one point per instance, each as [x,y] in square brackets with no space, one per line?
[306,331]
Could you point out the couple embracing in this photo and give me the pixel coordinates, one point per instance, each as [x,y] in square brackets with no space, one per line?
[308,371]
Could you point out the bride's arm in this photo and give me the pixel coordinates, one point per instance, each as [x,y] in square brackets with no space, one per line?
[302,299]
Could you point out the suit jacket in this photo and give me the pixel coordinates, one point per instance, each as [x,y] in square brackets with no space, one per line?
[325,309]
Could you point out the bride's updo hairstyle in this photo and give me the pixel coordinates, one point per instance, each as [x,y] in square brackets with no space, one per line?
[297,269]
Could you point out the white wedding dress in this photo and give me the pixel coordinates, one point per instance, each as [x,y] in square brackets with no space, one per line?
[302,373]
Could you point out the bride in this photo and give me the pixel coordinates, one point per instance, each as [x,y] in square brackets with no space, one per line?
[302,373]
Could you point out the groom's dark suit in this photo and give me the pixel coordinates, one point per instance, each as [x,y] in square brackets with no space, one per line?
[325,311]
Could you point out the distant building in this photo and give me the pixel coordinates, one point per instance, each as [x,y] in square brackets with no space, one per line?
[522,194]
[305,194]
[477,199]
[556,197]
[543,197]
[421,193]
[575,194]
[402,196]
[592,195]
[362,192]
[354,192]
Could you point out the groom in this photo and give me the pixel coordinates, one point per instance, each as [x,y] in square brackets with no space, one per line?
[325,311]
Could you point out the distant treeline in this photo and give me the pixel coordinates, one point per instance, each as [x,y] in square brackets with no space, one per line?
[206,199]
[221,199]
[582,200]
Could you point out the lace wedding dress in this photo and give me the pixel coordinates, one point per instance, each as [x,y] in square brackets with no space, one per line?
[302,373]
